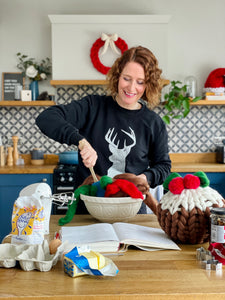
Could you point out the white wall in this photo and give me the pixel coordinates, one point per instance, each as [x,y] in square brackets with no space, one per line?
[196,43]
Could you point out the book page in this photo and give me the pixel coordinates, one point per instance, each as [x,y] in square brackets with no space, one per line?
[89,234]
[133,234]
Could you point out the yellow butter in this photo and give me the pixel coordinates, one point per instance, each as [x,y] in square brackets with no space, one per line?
[101,260]
[92,259]
[95,259]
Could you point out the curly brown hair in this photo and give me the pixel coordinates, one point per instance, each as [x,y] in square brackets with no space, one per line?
[148,61]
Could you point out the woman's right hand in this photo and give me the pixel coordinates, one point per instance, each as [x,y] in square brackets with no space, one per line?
[88,154]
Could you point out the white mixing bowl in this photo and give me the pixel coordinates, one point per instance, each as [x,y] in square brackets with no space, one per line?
[110,210]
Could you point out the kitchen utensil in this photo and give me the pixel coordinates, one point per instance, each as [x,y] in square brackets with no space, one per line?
[68,157]
[10,157]
[15,139]
[2,156]
[93,174]
[81,144]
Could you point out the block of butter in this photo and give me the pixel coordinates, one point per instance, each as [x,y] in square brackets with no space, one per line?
[95,261]
[80,261]
[71,269]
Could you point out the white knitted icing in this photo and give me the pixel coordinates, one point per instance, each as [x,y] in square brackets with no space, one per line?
[189,198]
[214,90]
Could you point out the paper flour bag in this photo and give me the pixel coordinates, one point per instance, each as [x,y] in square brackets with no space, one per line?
[27,221]
[42,192]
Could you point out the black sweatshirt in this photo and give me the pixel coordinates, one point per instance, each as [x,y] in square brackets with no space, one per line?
[126,141]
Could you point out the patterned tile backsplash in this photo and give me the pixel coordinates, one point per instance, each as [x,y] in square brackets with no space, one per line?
[193,134]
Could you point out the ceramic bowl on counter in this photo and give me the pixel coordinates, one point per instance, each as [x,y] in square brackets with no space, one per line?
[110,210]
[68,157]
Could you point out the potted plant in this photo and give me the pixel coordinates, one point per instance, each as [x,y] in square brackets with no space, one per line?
[35,71]
[177,103]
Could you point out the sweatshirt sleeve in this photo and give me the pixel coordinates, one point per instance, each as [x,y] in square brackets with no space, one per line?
[160,163]
[63,122]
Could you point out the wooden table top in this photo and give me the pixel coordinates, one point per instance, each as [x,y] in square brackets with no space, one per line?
[165,274]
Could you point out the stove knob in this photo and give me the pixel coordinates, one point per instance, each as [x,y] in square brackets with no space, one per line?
[70,178]
[62,179]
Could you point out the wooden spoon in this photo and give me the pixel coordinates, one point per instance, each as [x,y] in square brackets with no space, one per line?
[81,145]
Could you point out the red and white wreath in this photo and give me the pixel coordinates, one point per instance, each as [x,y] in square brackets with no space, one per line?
[106,40]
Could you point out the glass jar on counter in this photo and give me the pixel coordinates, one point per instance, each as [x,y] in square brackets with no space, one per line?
[218,225]
[191,84]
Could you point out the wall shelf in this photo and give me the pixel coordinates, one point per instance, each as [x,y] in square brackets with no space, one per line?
[88,82]
[77,82]
[208,102]
[27,103]
[51,103]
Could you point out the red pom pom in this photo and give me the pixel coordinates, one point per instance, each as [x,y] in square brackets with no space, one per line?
[176,185]
[191,181]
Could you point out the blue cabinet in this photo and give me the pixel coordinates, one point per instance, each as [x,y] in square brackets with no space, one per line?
[10,187]
[217,181]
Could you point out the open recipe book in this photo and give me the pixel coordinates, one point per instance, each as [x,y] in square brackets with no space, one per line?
[105,237]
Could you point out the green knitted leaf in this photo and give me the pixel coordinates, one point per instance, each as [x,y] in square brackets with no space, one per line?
[204,180]
[168,179]
[83,189]
[104,181]
[72,207]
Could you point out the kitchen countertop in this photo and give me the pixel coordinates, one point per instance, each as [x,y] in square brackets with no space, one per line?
[181,162]
[156,275]
[50,162]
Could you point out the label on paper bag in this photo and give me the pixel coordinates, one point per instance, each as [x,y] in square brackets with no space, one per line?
[27,221]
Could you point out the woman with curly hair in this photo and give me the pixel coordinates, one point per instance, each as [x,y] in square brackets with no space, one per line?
[120,132]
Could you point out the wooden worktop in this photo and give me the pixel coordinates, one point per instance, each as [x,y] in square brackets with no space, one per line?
[181,162]
[154,275]
[50,162]
[193,162]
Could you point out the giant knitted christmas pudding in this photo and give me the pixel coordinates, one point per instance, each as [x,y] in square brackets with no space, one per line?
[184,211]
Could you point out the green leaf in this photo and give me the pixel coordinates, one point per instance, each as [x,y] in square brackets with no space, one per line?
[168,107]
[185,113]
[166,119]
[186,104]
[196,99]
[177,117]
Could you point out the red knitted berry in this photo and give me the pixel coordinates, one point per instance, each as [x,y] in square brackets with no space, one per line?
[176,185]
[191,182]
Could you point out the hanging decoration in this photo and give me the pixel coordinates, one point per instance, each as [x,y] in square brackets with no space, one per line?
[105,41]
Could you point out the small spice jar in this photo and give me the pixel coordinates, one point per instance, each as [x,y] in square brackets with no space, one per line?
[218,225]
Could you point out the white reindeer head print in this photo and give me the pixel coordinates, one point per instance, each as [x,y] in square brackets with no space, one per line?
[118,157]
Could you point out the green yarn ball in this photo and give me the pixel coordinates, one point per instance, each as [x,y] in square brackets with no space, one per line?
[104,181]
